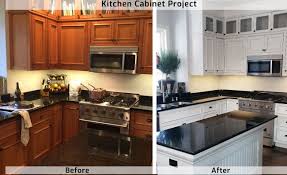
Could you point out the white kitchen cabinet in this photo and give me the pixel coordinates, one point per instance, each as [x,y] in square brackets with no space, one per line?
[232,105]
[246,25]
[231,26]
[262,22]
[210,109]
[219,26]
[209,24]
[222,106]
[279,20]
[235,57]
[280,125]
[265,44]
[213,55]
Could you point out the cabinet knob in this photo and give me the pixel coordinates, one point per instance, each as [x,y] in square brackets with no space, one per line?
[285,70]
[264,50]
[254,30]
[205,30]
[149,120]
[238,32]
[210,107]
[271,29]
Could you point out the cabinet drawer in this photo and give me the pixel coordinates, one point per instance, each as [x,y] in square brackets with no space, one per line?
[281,135]
[143,122]
[281,109]
[282,121]
[10,140]
[41,115]
[210,108]
[9,129]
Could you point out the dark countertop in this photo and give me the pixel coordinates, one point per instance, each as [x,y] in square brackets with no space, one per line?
[98,148]
[199,136]
[43,102]
[209,96]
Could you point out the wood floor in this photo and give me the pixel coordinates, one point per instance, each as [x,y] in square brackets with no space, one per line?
[274,156]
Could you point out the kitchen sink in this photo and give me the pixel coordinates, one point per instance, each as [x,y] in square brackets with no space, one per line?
[180,103]
[5,114]
[164,105]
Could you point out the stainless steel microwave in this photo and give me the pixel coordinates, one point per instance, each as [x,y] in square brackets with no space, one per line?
[113,59]
[265,65]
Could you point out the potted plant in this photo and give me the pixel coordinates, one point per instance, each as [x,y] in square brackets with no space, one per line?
[168,62]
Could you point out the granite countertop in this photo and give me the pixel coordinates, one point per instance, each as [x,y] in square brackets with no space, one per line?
[42,102]
[99,148]
[199,136]
[209,96]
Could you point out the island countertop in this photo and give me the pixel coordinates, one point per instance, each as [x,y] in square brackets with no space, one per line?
[199,136]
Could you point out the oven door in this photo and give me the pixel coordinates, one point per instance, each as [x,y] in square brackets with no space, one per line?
[107,62]
[259,67]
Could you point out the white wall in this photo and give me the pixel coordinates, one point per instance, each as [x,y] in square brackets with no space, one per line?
[203,83]
[3,56]
[31,80]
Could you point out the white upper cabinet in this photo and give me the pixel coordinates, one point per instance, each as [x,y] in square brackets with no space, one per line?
[219,56]
[279,20]
[235,57]
[209,24]
[262,22]
[219,26]
[265,44]
[246,25]
[231,26]
[209,54]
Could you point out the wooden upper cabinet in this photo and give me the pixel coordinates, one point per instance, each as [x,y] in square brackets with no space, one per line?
[115,32]
[145,58]
[28,40]
[127,32]
[73,47]
[52,48]
[38,42]
[102,32]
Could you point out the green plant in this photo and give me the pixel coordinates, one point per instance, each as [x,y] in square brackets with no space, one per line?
[168,62]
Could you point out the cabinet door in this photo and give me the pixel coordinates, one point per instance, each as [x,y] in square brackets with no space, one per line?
[235,57]
[141,123]
[209,24]
[219,55]
[127,32]
[262,22]
[57,125]
[231,27]
[73,45]
[145,57]
[40,140]
[256,45]
[38,42]
[53,44]
[279,20]
[219,26]
[102,32]
[275,43]
[246,25]
[70,120]
[209,54]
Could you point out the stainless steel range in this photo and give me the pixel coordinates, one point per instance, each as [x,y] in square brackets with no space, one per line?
[261,103]
[113,110]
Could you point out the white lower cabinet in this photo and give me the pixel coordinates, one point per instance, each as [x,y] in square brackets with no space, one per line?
[280,128]
[177,117]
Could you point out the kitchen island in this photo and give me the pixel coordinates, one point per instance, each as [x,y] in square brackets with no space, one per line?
[230,139]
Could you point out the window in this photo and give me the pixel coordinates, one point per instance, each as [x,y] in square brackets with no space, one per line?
[161,45]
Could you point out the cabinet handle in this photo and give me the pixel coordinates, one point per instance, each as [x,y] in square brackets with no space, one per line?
[205,30]
[271,29]
[149,120]
[210,107]
[285,135]
[173,163]
[254,30]
[264,50]
[238,32]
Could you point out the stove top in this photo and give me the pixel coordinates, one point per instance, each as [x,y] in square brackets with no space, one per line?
[264,96]
[117,100]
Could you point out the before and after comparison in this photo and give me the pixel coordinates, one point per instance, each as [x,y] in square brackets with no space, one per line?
[143,87]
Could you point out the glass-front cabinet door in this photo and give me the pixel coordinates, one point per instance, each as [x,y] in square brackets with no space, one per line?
[219,26]
[231,27]
[246,25]
[209,24]
[279,20]
[262,22]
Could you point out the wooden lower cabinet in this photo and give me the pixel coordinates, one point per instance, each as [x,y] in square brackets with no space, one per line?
[141,123]
[57,122]
[40,135]
[12,153]
[71,122]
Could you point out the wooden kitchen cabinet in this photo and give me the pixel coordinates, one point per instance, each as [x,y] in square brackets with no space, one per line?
[52,47]
[73,45]
[145,56]
[40,134]
[115,32]
[13,152]
[141,123]
[57,122]
[28,40]
[71,123]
